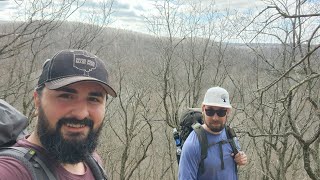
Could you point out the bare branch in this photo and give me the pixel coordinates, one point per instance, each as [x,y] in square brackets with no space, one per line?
[297,136]
[292,16]
[289,70]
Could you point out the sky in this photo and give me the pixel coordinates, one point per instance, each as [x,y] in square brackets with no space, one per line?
[126,14]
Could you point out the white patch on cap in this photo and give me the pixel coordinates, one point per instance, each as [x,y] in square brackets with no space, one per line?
[224,98]
[84,63]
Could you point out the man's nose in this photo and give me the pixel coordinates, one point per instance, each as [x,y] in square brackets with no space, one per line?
[80,110]
[215,116]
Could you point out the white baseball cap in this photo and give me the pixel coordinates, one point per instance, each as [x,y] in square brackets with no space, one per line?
[217,96]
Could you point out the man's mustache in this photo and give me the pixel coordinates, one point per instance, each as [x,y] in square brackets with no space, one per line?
[86,121]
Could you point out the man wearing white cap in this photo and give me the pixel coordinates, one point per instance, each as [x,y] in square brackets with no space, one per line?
[220,163]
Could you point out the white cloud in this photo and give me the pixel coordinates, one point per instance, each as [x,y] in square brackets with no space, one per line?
[8,9]
[130,14]
[239,4]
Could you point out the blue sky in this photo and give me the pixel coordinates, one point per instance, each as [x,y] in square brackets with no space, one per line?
[127,14]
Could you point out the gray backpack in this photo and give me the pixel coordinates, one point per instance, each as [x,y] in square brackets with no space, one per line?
[13,127]
[12,124]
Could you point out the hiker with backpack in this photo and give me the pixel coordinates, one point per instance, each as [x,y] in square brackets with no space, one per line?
[221,155]
[70,100]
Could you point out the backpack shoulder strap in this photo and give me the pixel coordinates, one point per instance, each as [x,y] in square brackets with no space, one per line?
[231,135]
[19,155]
[203,144]
[38,169]
[96,168]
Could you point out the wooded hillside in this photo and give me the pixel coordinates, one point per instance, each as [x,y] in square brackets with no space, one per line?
[274,87]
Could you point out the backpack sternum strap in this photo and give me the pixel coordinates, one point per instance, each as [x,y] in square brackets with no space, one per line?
[202,137]
[220,143]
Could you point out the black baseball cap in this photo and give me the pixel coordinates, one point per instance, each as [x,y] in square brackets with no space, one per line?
[71,66]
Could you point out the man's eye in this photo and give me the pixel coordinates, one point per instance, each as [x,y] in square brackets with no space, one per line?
[94,99]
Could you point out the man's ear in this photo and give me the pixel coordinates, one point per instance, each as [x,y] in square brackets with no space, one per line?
[228,111]
[202,108]
[202,111]
[36,100]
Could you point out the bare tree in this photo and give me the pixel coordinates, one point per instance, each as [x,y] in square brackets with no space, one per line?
[192,47]
[284,111]
[36,18]
[132,128]
[82,35]
[24,43]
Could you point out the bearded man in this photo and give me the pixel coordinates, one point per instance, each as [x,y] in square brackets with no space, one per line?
[70,100]
[220,163]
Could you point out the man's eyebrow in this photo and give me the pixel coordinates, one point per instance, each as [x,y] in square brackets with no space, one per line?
[97,94]
[66,89]
[73,91]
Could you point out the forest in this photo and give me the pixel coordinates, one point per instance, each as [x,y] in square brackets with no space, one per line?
[268,61]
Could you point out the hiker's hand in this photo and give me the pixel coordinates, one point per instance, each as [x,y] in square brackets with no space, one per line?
[240,158]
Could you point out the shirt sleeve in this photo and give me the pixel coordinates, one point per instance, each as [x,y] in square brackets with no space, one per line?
[190,158]
[12,169]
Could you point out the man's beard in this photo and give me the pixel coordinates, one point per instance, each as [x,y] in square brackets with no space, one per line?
[71,150]
[215,129]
